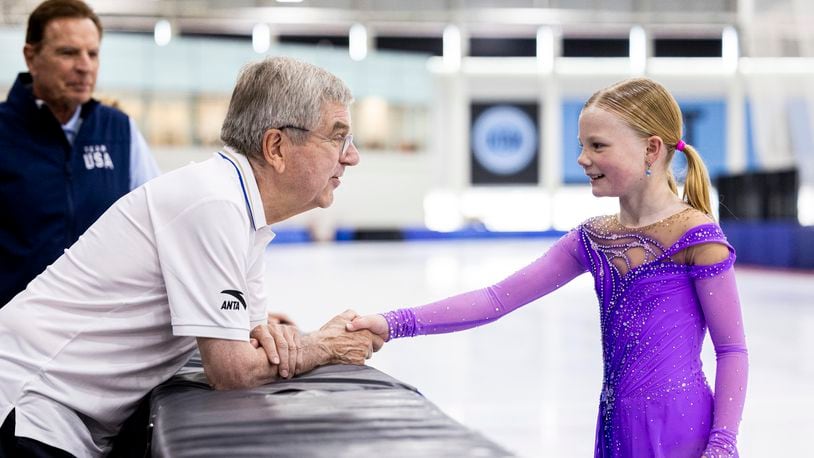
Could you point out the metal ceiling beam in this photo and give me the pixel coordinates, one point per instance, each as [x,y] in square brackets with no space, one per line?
[239,16]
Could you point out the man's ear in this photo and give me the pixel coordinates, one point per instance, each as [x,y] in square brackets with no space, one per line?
[272,149]
[29,52]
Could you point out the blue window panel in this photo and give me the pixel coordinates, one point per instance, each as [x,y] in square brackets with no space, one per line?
[572,172]
[752,163]
[704,129]
[798,118]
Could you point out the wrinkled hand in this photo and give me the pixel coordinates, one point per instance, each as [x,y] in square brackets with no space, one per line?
[345,347]
[282,344]
[331,344]
[374,323]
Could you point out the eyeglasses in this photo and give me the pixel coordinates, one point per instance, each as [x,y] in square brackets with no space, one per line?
[347,140]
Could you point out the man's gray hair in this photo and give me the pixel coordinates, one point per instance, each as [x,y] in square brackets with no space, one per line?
[277,92]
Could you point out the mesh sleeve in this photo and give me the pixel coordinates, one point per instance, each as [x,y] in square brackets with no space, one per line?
[719,301]
[559,265]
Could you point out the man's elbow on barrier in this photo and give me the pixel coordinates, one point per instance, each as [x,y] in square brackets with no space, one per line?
[235,381]
[232,365]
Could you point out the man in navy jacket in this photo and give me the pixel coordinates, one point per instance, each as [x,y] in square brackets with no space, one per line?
[64,157]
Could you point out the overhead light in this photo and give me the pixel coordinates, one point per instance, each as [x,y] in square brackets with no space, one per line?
[357,42]
[638,50]
[545,49]
[729,48]
[162,32]
[261,37]
[289,1]
[452,47]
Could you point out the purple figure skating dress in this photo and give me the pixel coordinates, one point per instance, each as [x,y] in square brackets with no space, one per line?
[659,288]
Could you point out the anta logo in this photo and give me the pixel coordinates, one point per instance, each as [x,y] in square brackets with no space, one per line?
[96,157]
[234,301]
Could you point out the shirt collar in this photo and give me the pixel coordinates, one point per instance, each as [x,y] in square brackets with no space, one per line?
[73,123]
[249,184]
[71,128]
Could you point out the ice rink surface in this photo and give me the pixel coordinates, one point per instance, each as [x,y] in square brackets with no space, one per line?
[531,380]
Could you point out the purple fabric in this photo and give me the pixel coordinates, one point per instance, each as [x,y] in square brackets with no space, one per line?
[555,268]
[655,400]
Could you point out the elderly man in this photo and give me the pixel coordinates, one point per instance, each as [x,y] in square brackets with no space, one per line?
[176,262]
[64,158]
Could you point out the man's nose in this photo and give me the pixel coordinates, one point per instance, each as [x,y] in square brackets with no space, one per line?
[84,62]
[352,157]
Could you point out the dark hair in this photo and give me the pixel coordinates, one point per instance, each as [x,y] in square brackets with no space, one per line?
[49,10]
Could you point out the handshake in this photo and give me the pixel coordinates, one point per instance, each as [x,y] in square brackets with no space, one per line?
[345,339]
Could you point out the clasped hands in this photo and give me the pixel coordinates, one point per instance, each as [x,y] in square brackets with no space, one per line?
[336,342]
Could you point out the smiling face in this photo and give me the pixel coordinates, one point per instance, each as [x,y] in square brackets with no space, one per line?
[64,65]
[612,155]
[317,167]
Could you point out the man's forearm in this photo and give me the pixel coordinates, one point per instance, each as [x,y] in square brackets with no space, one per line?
[315,353]
[230,364]
[234,365]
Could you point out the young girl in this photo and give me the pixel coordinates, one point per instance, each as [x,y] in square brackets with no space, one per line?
[662,272]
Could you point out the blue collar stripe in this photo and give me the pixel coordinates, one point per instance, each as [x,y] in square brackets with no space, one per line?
[243,187]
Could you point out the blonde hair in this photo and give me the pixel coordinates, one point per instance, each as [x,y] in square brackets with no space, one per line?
[649,109]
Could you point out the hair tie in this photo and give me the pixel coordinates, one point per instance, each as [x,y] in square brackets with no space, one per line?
[680,145]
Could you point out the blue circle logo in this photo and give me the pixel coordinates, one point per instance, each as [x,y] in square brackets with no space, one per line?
[504,139]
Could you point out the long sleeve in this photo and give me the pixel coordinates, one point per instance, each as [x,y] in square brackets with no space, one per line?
[143,167]
[719,301]
[562,263]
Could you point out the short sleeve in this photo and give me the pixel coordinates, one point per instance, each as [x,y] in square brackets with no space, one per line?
[204,255]
[258,313]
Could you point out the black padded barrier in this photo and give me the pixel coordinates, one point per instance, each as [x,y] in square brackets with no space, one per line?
[332,411]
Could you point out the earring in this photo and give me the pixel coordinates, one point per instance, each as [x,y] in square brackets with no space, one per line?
[647,170]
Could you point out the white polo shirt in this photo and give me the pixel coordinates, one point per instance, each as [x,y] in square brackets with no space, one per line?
[117,314]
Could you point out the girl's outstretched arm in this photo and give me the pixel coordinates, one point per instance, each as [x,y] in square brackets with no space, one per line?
[559,265]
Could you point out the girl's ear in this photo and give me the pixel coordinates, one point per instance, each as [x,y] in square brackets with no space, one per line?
[655,145]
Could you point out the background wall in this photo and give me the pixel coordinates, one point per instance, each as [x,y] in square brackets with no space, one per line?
[412,119]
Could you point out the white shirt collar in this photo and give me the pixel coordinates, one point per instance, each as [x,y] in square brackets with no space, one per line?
[249,183]
[71,128]
[73,123]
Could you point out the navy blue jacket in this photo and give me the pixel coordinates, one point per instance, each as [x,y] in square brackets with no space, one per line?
[50,191]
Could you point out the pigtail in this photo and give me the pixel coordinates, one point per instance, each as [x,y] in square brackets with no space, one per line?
[696,186]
